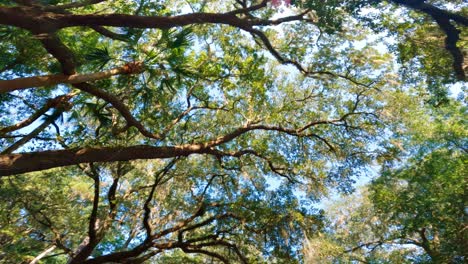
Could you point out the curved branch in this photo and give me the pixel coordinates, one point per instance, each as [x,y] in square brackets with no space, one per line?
[117,104]
[266,42]
[56,48]
[63,54]
[94,237]
[225,244]
[442,18]
[52,103]
[432,10]
[110,34]
[34,133]
[146,207]
[451,39]
[43,254]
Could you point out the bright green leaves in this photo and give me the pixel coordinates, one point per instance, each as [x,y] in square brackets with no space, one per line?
[327,13]
[427,199]
[20,51]
[177,44]
[315,123]
[419,47]
[40,209]
[426,44]
[99,57]
[415,211]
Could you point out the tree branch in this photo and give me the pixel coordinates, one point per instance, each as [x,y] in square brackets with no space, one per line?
[43,254]
[433,10]
[117,104]
[56,48]
[49,80]
[146,207]
[94,236]
[442,18]
[56,102]
[27,162]
[48,121]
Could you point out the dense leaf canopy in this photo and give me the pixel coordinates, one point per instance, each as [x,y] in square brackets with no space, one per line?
[196,131]
[412,213]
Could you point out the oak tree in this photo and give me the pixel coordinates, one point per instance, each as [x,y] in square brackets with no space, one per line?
[134,131]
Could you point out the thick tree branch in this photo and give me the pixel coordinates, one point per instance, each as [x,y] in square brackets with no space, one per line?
[443,18]
[39,21]
[35,161]
[94,236]
[432,10]
[451,39]
[146,206]
[49,80]
[62,53]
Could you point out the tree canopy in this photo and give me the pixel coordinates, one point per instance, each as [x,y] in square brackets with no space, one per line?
[412,213]
[198,131]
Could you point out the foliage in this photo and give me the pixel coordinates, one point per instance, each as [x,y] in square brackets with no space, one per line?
[223,123]
[414,213]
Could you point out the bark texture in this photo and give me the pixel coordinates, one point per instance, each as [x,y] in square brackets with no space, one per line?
[35,161]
